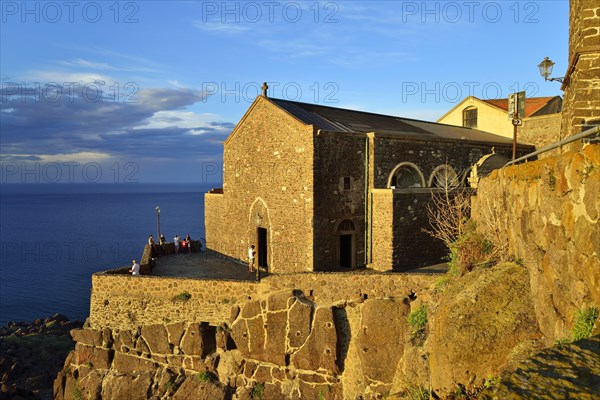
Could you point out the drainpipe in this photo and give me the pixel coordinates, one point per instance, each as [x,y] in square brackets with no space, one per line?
[366,234]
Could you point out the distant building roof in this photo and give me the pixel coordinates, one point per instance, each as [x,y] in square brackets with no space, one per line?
[344,120]
[532,104]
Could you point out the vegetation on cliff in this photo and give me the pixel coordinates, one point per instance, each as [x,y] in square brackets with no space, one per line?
[31,354]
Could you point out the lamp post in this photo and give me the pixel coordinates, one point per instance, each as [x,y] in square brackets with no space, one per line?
[158,221]
[546,70]
[258,222]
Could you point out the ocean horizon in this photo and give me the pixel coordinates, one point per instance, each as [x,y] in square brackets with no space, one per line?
[53,237]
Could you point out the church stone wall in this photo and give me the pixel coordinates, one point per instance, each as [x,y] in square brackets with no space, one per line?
[581,107]
[338,156]
[268,171]
[541,131]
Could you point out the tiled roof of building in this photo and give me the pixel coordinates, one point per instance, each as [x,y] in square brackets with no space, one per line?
[344,120]
[532,104]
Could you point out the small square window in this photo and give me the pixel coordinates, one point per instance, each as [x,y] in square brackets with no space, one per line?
[346,183]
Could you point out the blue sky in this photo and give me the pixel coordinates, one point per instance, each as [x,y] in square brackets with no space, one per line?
[146,91]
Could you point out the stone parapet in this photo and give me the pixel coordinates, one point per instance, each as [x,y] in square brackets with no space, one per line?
[125,302]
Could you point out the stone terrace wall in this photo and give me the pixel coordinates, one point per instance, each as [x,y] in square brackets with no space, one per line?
[126,302]
[329,288]
[547,212]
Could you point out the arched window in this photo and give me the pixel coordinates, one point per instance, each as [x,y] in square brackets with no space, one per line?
[406,175]
[470,117]
[444,176]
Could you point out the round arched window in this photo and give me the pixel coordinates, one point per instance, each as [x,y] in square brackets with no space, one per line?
[406,177]
[444,177]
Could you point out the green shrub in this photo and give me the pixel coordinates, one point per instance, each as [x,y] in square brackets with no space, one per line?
[418,393]
[258,392]
[418,321]
[183,296]
[207,376]
[170,386]
[470,250]
[584,323]
[77,393]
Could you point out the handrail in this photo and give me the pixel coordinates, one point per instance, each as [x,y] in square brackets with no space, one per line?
[553,146]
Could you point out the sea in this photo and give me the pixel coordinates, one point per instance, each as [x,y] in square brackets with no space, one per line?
[53,237]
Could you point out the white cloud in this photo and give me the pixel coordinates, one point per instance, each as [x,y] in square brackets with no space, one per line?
[181,119]
[221,27]
[82,157]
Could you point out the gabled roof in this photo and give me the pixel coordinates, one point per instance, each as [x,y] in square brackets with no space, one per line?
[344,120]
[532,104]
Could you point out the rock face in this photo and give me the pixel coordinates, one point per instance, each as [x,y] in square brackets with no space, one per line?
[159,361]
[547,214]
[281,347]
[481,326]
[31,354]
[566,371]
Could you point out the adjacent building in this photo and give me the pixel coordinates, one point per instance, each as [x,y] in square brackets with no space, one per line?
[541,125]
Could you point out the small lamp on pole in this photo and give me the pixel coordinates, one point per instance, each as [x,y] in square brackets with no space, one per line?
[158,221]
[546,69]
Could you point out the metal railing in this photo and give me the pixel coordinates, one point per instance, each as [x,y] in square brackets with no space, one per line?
[570,139]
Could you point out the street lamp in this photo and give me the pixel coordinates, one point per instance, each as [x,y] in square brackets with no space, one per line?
[258,222]
[158,221]
[546,69]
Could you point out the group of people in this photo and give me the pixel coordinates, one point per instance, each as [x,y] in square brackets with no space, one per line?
[177,241]
[183,244]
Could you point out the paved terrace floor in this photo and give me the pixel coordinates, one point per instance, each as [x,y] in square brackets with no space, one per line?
[211,265]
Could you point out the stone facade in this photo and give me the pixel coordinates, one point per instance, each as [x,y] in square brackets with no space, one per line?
[541,131]
[547,213]
[582,79]
[267,171]
[298,177]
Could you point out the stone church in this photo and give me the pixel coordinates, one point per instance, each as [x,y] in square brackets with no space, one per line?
[319,188]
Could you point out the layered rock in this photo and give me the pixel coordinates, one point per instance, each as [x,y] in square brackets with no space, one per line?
[482,326]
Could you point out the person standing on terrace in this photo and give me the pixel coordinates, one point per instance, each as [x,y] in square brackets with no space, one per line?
[135,268]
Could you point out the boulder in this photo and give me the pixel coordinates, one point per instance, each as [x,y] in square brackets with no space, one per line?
[320,349]
[480,321]
[156,338]
[300,321]
[194,388]
[381,338]
[117,387]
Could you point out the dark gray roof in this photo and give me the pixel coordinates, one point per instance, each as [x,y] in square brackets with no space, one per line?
[344,120]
